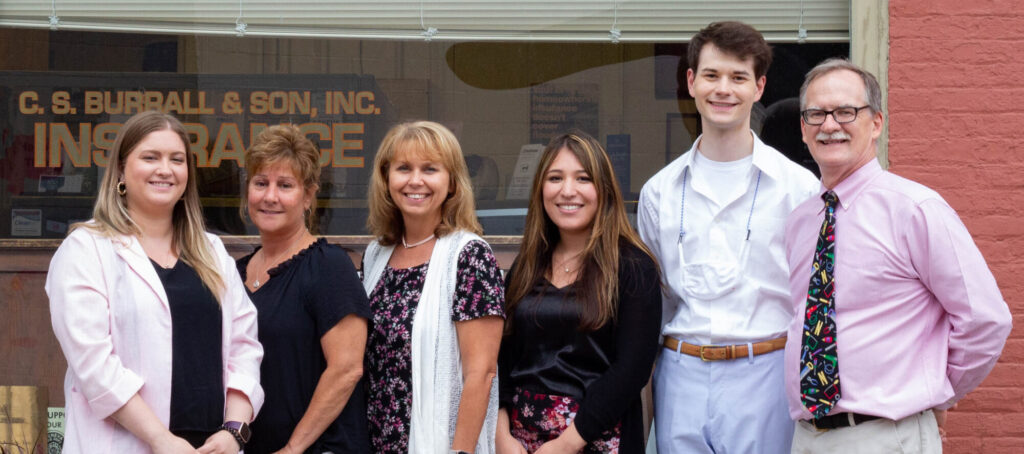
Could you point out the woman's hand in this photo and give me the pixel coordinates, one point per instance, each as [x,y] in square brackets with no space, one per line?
[507,444]
[569,442]
[221,442]
[287,449]
[168,443]
[479,340]
[557,446]
[237,408]
[139,419]
[343,347]
[504,442]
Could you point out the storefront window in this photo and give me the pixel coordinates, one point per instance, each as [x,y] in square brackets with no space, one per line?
[64,95]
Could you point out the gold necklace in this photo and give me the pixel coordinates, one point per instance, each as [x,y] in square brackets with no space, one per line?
[565,264]
[163,257]
[266,269]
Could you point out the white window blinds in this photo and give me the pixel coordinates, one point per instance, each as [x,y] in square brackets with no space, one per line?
[475,20]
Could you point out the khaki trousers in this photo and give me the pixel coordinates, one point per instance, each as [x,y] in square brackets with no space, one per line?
[917,433]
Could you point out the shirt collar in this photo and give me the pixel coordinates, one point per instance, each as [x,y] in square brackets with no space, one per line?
[762,159]
[853,185]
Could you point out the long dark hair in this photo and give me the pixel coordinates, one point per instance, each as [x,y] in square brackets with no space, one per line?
[597,288]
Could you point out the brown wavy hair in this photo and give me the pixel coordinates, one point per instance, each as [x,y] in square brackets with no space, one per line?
[111,217]
[734,38]
[458,212]
[284,143]
[597,288]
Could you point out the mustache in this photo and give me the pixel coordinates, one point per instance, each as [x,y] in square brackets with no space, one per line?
[837,135]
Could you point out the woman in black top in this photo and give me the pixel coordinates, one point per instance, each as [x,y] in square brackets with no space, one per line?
[584,312]
[311,307]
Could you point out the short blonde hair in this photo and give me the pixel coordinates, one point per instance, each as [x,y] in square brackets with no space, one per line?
[458,212]
[284,144]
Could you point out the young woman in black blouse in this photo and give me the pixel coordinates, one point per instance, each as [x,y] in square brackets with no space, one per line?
[583,309]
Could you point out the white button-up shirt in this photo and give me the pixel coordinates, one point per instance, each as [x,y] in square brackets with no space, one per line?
[759,307]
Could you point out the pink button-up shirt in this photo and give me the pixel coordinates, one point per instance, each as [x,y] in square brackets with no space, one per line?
[110,314]
[920,321]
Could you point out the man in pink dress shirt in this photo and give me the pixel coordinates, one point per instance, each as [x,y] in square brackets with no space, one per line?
[919,321]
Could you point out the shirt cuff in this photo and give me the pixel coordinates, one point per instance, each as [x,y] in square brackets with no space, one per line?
[117,396]
[248,386]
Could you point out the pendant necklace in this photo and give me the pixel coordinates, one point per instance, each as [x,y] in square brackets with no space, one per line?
[256,283]
[418,243]
[565,265]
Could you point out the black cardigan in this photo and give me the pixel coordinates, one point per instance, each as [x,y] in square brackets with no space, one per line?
[606,369]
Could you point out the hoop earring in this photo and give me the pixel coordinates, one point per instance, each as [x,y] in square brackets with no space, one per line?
[121,188]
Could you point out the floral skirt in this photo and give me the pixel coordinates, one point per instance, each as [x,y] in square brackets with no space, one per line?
[536,418]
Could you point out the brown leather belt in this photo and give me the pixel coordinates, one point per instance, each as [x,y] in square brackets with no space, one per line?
[723,352]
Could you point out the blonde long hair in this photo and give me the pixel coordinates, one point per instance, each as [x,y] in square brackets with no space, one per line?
[111,217]
[458,212]
[597,289]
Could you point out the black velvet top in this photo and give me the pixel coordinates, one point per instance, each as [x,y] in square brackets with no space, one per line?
[604,370]
[306,296]
[197,371]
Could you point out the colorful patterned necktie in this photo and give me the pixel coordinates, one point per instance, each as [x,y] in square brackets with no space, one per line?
[819,362]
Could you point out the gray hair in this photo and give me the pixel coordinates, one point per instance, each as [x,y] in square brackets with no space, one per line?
[872,92]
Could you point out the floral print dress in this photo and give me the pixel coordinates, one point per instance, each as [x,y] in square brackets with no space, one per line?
[479,292]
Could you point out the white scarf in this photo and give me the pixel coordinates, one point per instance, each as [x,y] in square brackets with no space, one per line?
[436,362]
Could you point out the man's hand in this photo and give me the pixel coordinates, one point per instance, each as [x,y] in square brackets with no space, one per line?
[940,420]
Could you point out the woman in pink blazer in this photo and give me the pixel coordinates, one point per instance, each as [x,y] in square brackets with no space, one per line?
[158,333]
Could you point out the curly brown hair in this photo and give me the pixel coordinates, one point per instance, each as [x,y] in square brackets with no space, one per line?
[285,143]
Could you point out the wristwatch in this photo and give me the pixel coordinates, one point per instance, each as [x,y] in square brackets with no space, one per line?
[239,430]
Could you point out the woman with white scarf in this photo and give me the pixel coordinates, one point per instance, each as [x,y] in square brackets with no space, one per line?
[436,299]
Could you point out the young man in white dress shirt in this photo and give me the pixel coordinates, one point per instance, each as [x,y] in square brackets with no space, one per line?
[714,218]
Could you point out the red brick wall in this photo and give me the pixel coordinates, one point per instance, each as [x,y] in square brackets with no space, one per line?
[956,123]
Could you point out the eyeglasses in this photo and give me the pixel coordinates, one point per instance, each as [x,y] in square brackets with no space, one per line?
[815,117]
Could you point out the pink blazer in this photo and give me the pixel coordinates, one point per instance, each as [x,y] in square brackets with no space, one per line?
[110,314]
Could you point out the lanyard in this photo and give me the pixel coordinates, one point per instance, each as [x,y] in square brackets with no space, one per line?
[682,205]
